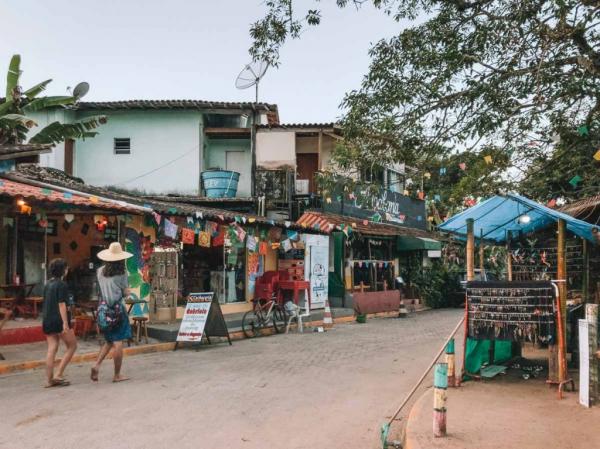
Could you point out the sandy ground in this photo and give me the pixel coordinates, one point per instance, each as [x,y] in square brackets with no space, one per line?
[507,412]
[328,390]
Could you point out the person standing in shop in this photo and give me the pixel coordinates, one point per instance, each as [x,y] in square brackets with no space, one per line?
[114,287]
[57,323]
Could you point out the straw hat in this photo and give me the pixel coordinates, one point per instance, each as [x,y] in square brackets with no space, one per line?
[114,253]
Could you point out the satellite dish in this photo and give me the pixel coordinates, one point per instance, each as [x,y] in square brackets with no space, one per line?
[251,76]
[81,89]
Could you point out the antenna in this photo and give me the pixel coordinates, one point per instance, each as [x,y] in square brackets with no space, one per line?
[81,89]
[251,76]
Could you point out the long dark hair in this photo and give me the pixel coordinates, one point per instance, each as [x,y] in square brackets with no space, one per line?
[113,268]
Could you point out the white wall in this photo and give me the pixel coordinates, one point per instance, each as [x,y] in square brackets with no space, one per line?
[165,143]
[275,149]
[56,158]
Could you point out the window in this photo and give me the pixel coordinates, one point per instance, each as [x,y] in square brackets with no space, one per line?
[122,145]
[395,181]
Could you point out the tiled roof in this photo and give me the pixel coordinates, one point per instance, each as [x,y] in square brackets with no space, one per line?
[61,179]
[172,104]
[328,222]
[12,151]
[30,192]
[300,125]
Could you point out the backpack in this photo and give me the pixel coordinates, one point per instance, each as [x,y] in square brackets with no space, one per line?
[109,317]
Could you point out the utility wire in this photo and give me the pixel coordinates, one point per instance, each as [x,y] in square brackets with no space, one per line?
[158,168]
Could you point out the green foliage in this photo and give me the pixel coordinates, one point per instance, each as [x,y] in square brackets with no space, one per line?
[438,285]
[14,123]
[507,74]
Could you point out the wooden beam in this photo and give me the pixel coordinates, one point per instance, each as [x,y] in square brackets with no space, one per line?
[217,131]
[585,281]
[470,250]
[561,270]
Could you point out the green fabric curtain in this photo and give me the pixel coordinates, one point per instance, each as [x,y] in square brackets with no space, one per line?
[478,353]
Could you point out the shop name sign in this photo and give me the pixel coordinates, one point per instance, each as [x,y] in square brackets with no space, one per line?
[195,317]
[392,207]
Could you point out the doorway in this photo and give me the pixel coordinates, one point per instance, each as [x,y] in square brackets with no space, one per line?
[308,165]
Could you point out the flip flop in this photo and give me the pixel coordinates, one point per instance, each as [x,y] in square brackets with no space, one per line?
[58,383]
[121,379]
[94,375]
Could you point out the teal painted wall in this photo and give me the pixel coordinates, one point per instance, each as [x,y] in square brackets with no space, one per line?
[239,159]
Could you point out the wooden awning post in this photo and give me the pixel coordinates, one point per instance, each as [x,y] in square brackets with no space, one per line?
[470,250]
[561,271]
[585,281]
[509,273]
[481,254]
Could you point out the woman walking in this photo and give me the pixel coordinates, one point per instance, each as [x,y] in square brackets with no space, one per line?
[57,323]
[112,280]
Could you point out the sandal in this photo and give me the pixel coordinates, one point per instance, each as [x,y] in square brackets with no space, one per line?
[58,383]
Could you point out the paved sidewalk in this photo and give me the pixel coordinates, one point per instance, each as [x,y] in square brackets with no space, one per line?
[506,412]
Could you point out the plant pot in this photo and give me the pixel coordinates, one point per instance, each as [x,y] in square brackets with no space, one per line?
[362,318]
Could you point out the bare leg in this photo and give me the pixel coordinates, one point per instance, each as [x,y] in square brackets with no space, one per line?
[50,356]
[118,359]
[71,342]
[106,347]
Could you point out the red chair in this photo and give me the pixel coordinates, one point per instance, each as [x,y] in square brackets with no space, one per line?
[267,286]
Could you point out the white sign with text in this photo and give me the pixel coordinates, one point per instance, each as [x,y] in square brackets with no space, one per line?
[195,316]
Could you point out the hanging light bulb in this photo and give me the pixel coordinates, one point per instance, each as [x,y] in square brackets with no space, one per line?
[524,219]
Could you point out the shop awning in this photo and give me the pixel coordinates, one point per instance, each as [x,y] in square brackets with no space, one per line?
[407,243]
[327,223]
[54,194]
[494,217]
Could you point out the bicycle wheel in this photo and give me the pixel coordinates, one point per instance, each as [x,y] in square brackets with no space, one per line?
[251,324]
[279,318]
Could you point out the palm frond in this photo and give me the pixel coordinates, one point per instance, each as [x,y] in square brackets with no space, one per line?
[48,102]
[12,77]
[34,91]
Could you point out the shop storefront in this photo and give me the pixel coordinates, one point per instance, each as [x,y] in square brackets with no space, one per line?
[226,253]
[41,222]
[363,255]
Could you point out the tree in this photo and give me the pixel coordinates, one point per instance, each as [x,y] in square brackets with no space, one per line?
[15,124]
[467,75]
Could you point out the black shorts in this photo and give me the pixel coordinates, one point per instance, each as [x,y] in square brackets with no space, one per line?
[55,325]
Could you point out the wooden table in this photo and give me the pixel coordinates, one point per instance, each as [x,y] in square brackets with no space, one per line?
[19,292]
[133,302]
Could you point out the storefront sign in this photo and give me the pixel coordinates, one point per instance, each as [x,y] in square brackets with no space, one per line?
[390,207]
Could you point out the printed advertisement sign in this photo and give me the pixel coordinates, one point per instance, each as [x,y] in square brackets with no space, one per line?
[195,317]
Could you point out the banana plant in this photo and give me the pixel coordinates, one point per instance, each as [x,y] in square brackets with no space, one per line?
[15,124]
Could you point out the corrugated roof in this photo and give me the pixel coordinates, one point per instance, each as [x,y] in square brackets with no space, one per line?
[328,222]
[30,192]
[172,104]
[12,151]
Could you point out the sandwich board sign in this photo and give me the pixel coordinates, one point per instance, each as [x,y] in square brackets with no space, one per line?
[202,318]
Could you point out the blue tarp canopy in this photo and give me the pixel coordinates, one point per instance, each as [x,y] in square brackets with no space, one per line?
[494,217]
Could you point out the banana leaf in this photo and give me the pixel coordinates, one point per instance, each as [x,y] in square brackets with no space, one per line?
[34,91]
[12,77]
[17,118]
[48,102]
[57,132]
[6,106]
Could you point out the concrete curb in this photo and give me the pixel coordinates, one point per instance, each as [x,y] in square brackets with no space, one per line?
[169,346]
[410,435]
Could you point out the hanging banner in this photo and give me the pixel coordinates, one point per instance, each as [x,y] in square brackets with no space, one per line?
[188,236]
[204,239]
[202,317]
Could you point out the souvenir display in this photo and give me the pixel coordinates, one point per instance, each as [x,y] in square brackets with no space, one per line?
[516,311]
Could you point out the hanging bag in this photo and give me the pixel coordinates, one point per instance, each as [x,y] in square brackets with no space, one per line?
[109,317]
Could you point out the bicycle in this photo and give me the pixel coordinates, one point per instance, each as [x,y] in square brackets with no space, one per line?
[264,313]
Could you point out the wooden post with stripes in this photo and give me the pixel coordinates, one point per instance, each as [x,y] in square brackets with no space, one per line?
[440,385]
[450,361]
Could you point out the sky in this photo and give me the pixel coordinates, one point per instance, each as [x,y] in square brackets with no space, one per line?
[186,49]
